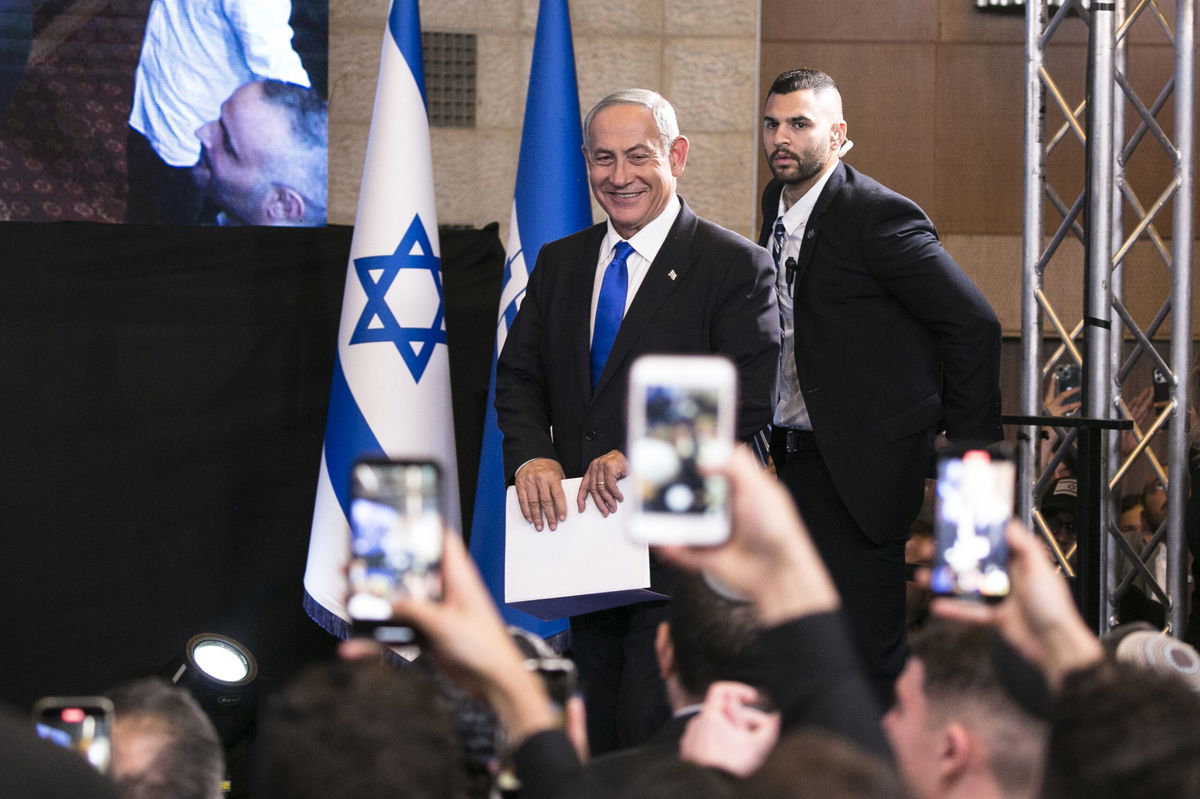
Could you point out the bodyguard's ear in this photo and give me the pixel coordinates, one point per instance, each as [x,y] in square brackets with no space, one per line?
[283,205]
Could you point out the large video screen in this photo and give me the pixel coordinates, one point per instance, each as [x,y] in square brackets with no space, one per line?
[164,111]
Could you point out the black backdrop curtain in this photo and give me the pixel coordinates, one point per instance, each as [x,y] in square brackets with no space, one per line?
[162,397]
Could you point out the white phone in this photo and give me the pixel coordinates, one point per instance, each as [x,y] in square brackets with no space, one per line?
[681,425]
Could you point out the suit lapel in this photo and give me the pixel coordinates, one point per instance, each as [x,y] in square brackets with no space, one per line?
[812,228]
[669,267]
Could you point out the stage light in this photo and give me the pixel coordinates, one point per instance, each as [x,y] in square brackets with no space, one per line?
[220,673]
[1019,5]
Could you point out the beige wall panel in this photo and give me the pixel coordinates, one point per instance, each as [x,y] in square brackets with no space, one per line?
[715,183]
[711,83]
[366,13]
[474,176]
[850,20]
[889,97]
[470,16]
[501,81]
[640,18]
[994,263]
[606,63]
[710,17]
[978,177]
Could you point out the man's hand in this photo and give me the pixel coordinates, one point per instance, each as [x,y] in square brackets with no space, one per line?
[539,490]
[467,637]
[1039,617]
[600,481]
[729,733]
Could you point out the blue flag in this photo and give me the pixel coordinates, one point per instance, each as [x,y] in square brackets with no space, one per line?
[550,201]
[391,378]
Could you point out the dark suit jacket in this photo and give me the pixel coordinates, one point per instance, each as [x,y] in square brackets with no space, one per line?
[893,343]
[611,773]
[720,300]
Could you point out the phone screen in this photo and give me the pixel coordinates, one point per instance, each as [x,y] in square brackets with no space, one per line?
[681,434]
[83,724]
[974,504]
[395,536]
[681,426]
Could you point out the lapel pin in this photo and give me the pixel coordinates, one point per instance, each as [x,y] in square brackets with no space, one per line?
[672,274]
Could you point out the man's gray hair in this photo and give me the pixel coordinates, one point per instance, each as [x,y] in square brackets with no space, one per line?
[305,166]
[664,113]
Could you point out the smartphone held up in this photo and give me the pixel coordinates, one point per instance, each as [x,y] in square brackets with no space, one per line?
[681,426]
[79,723]
[974,504]
[396,539]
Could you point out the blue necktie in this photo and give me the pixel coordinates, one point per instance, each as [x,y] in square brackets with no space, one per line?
[610,308]
[779,238]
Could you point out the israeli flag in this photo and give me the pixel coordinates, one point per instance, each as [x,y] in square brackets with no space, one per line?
[550,201]
[391,378]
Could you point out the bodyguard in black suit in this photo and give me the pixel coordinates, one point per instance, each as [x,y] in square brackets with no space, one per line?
[886,343]
[692,287]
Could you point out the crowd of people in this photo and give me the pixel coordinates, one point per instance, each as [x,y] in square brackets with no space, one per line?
[769,697]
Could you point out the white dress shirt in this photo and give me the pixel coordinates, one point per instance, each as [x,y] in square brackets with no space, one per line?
[194,55]
[790,410]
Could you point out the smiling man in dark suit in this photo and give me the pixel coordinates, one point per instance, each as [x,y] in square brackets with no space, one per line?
[886,343]
[653,278]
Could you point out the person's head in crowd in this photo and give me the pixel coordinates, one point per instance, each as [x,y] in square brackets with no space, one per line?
[1060,508]
[1123,731]
[707,638]
[33,767]
[634,156]
[164,746]
[955,728]
[359,730]
[678,779]
[1154,504]
[264,161]
[1132,520]
[812,764]
[1144,644]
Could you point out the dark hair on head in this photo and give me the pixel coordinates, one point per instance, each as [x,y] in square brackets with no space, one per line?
[1123,731]
[359,730]
[817,764]
[962,680]
[678,779]
[795,80]
[714,638]
[188,761]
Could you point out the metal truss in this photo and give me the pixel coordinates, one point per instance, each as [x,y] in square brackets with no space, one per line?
[1109,122]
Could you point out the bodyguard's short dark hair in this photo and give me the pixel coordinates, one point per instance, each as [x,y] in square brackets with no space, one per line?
[188,761]
[795,80]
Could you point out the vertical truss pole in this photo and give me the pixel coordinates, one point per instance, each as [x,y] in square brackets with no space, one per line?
[1112,447]
[1181,312]
[1097,314]
[1031,250]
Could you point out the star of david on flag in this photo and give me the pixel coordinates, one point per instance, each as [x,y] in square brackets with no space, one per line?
[377,274]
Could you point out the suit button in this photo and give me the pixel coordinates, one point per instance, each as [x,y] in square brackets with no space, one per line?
[589,435]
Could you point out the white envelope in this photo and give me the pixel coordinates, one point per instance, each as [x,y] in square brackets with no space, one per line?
[586,564]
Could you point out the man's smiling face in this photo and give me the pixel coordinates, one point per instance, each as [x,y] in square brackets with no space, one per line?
[631,172]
